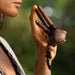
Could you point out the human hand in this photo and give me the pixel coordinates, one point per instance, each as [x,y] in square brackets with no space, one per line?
[39,36]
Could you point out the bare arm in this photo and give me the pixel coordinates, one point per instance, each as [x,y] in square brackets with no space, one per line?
[5,63]
[41,67]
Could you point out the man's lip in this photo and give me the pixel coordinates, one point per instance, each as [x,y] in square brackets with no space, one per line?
[17,4]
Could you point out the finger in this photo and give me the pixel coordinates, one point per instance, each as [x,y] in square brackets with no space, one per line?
[51,48]
[46,30]
[53,51]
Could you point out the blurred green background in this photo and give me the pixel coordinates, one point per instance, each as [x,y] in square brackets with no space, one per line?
[17,32]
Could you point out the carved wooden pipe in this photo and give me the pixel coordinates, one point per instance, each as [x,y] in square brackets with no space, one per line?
[56,35]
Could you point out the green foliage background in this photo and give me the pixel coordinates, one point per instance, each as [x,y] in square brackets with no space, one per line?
[17,32]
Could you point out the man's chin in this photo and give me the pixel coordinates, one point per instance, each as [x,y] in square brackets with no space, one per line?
[13,13]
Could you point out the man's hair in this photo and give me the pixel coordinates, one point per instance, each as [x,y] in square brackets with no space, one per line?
[1,20]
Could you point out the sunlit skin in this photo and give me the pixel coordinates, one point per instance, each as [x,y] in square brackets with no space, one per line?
[5,63]
[10,7]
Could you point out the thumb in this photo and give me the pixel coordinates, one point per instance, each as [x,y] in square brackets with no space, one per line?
[33,16]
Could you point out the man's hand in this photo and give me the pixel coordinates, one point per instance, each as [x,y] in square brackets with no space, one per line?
[39,35]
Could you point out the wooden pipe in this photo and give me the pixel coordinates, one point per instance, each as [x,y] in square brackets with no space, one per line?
[56,35]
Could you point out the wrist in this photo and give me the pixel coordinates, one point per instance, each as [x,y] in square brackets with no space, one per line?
[41,57]
[41,53]
[41,67]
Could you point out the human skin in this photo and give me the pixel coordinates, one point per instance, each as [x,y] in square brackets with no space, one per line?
[5,63]
[41,67]
[10,7]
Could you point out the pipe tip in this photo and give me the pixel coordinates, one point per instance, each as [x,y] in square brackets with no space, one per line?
[39,6]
